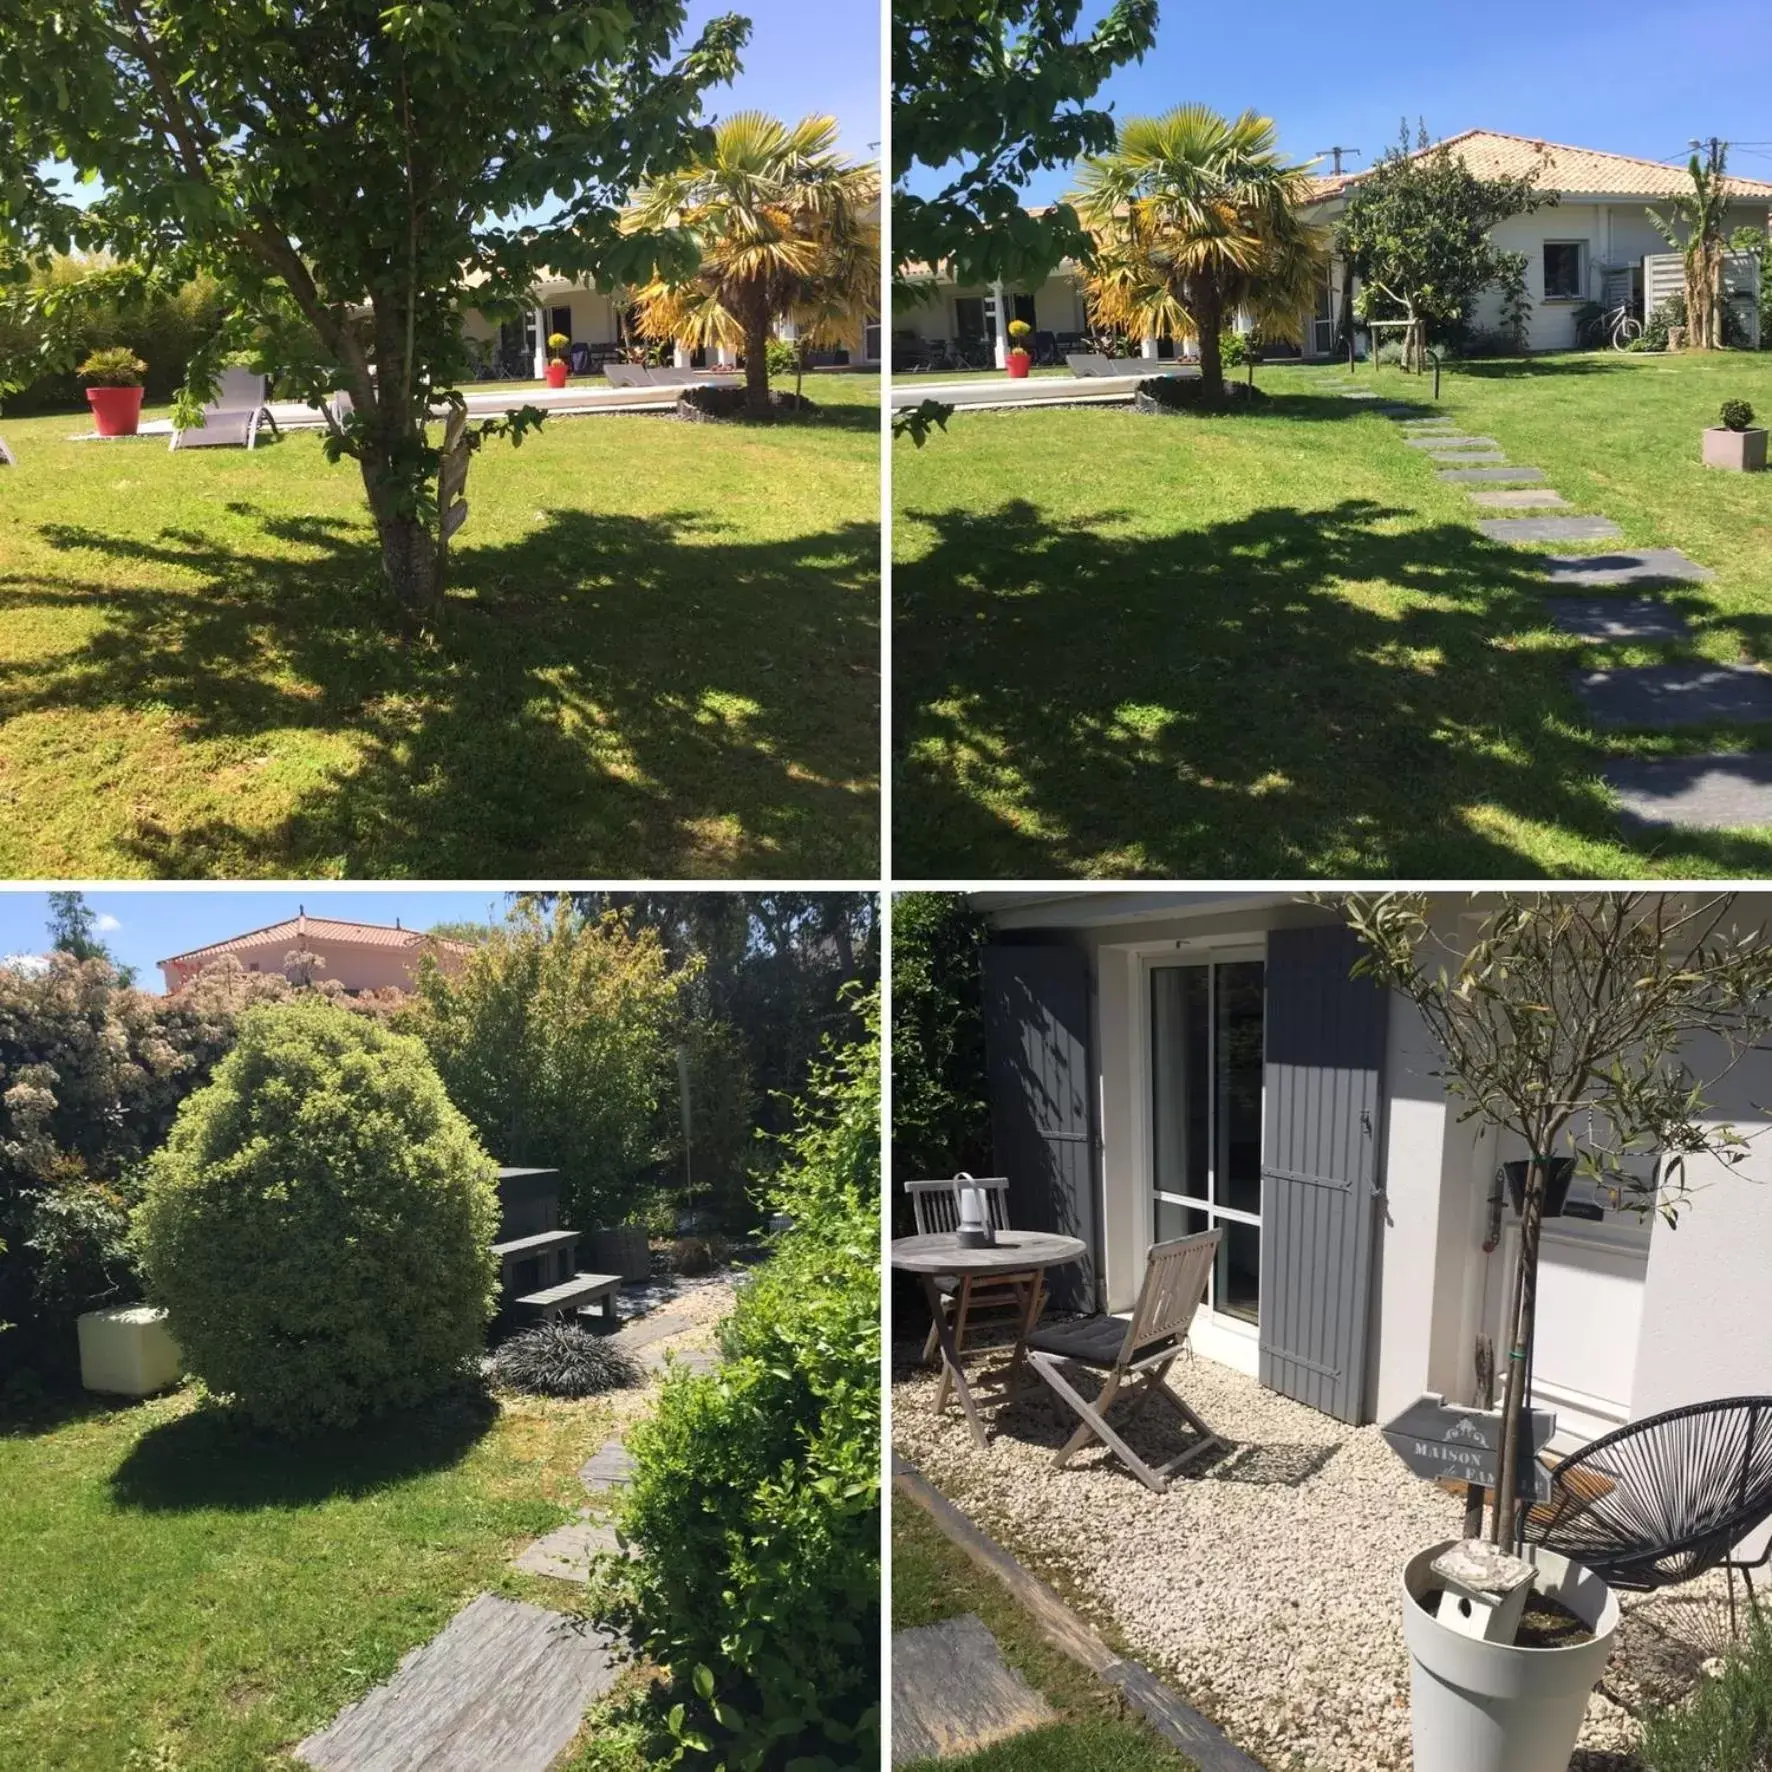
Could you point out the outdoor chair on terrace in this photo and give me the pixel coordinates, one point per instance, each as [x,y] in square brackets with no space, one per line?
[626,375]
[1091,363]
[1666,1499]
[977,1304]
[1144,1348]
[233,416]
[580,359]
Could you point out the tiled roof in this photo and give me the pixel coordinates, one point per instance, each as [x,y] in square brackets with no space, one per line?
[301,926]
[1586,171]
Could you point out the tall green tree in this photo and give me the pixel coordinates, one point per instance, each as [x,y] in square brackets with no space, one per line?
[985,93]
[785,228]
[1195,217]
[1416,231]
[354,173]
[73,929]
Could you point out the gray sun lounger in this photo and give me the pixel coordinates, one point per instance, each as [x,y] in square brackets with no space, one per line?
[232,417]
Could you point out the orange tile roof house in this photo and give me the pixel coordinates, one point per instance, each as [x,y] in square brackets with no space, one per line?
[359,956]
[1587,246]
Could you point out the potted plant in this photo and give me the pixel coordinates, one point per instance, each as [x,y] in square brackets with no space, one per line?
[558,345]
[1568,1023]
[113,378]
[1020,359]
[1737,442]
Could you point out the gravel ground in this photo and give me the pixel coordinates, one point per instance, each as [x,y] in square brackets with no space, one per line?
[1264,1584]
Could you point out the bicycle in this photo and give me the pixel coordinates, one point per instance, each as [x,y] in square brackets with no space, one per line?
[1619,327]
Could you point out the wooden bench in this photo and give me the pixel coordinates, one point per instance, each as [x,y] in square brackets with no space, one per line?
[521,1248]
[578,1293]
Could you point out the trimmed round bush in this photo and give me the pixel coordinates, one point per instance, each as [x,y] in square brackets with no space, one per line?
[319,1223]
[561,1360]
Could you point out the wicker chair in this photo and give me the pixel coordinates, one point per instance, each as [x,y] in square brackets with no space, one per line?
[1666,1499]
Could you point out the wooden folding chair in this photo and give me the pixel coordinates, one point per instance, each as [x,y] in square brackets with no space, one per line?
[1175,1277]
[981,1303]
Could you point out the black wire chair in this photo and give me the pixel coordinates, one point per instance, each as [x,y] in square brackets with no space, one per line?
[1666,1499]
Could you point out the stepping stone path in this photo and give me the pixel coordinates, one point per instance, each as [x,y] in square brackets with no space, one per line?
[1701,793]
[505,1684]
[953,1694]
[1639,566]
[1664,696]
[1602,619]
[565,1553]
[1517,529]
[699,1360]
[1524,500]
[1731,792]
[611,1466]
[1489,476]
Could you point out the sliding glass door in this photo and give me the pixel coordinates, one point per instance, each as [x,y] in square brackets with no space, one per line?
[1206,1079]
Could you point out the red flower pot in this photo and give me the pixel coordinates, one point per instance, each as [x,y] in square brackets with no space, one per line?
[1019,364]
[116,411]
[556,374]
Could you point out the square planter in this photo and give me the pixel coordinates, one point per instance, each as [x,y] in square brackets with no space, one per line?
[1743,451]
[127,1351]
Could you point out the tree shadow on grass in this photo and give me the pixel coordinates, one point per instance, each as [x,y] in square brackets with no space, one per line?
[213,1458]
[1232,702]
[607,695]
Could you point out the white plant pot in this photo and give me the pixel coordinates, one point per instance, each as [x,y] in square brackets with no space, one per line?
[1492,1707]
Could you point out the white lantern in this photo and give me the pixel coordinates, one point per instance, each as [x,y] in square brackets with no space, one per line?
[975,1214]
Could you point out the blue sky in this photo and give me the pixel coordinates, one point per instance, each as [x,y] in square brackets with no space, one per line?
[142,926]
[1631,76]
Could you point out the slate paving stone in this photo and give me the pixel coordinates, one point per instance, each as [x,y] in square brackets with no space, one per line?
[1353,395]
[1526,499]
[1727,793]
[611,1466]
[1618,618]
[698,1360]
[953,1694]
[660,1326]
[1659,697]
[1512,529]
[1489,476]
[565,1553]
[1635,566]
[1450,443]
[504,1684]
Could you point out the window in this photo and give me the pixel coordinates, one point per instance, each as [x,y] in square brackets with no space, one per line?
[1206,1108]
[1562,270]
[969,316]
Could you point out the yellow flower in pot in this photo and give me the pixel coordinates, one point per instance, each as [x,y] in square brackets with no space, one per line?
[558,345]
[1021,359]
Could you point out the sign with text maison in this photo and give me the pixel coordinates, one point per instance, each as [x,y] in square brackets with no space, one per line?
[1440,1439]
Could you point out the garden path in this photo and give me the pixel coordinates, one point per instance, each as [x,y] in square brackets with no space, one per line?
[507,1683]
[1728,791]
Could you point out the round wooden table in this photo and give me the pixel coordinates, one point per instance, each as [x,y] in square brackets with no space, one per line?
[1014,1252]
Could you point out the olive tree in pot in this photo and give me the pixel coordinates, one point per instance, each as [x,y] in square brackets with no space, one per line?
[1736,442]
[1593,1026]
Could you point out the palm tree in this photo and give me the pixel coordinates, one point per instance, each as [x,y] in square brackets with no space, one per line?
[783,224]
[1196,217]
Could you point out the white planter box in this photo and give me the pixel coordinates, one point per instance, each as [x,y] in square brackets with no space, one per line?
[127,1351]
[1742,451]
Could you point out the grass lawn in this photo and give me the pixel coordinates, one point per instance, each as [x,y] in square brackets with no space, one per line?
[1274,646]
[933,1580]
[176,1588]
[660,658]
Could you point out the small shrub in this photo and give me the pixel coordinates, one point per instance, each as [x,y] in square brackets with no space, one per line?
[1590,328]
[319,1223]
[562,1360]
[1390,352]
[1233,349]
[691,1256]
[1019,334]
[1736,415]
[559,343]
[116,366]
[1726,1725]
[781,356]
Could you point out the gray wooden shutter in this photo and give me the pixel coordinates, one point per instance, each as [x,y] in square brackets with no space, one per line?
[1036,1020]
[1325,1036]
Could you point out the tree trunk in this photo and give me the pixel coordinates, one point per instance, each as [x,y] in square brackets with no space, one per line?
[756,365]
[1208,313]
[1519,1332]
[408,552]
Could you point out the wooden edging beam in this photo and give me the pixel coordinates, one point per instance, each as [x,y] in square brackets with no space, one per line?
[1165,1710]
